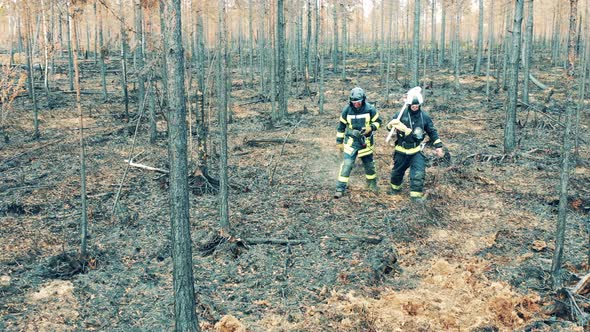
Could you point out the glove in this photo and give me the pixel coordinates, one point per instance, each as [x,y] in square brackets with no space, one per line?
[367,131]
[340,147]
[399,126]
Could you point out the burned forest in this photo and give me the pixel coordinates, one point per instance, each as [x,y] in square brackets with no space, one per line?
[237,165]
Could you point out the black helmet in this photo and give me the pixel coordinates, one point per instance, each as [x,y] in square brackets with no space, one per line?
[357,94]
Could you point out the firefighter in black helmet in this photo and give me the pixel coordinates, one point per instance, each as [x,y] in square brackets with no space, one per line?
[411,127]
[358,122]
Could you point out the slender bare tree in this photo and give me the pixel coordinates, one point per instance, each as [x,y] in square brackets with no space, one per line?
[138,11]
[102,50]
[441,57]
[222,110]
[124,52]
[479,40]
[510,123]
[281,60]
[184,289]
[416,45]
[26,13]
[83,209]
[564,173]
[528,52]
[490,48]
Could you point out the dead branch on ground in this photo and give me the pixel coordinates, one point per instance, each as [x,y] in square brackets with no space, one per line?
[537,82]
[149,168]
[262,141]
[372,239]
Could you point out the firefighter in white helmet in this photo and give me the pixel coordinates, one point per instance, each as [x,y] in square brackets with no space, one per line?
[410,128]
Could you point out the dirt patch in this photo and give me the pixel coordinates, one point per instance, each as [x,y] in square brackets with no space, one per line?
[52,308]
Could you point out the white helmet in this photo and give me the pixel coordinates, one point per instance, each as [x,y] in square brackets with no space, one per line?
[415,96]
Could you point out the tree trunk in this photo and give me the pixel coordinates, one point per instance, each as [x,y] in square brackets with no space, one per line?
[510,123]
[101,58]
[457,45]
[528,52]
[396,46]
[20,34]
[479,40]
[184,291]
[222,109]
[432,32]
[335,39]
[251,42]
[164,43]
[441,58]
[320,56]
[316,42]
[12,34]
[139,54]
[70,55]
[382,48]
[416,45]
[202,131]
[508,37]
[344,39]
[273,63]
[95,7]
[84,213]
[306,90]
[45,49]
[582,96]
[556,37]
[565,152]
[30,71]
[490,48]
[262,51]
[298,64]
[281,60]
[87,41]
[388,64]
[124,61]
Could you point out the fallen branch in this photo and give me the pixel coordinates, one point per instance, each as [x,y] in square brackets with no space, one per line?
[578,314]
[542,113]
[255,101]
[372,239]
[272,241]
[471,119]
[84,92]
[149,168]
[582,285]
[141,109]
[537,82]
[256,142]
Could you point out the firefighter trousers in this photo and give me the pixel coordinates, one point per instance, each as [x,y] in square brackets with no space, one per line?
[417,164]
[347,166]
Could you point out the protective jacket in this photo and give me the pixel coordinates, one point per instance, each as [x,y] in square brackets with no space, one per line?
[408,151]
[420,123]
[352,122]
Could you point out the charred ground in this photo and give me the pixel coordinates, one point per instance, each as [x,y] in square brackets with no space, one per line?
[476,256]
